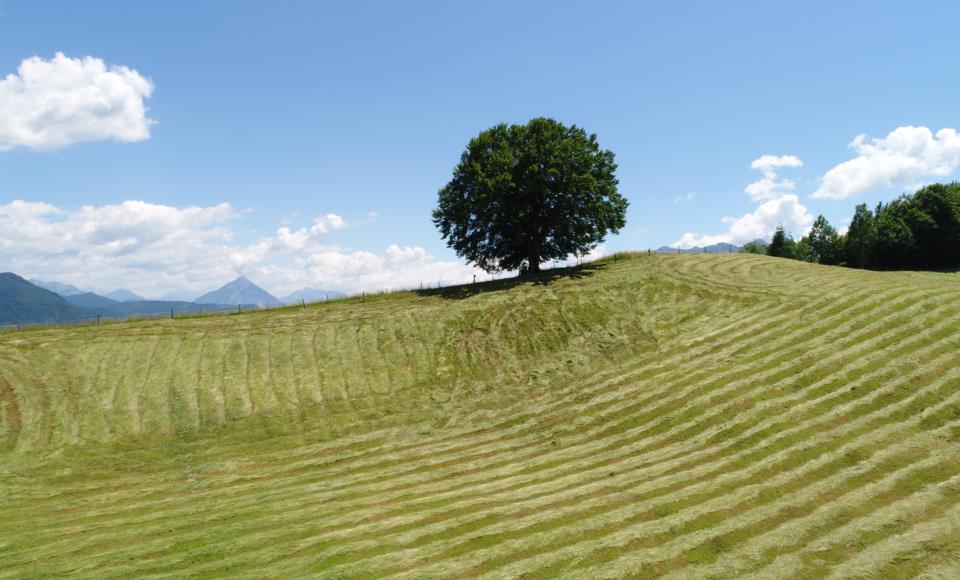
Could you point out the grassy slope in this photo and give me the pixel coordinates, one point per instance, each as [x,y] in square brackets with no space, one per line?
[722,414]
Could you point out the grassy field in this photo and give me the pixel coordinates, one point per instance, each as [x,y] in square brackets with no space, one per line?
[709,416]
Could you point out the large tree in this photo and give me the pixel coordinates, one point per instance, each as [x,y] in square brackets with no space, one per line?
[526,194]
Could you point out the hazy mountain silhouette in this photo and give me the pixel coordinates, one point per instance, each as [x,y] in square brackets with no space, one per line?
[60,288]
[240,291]
[123,295]
[311,295]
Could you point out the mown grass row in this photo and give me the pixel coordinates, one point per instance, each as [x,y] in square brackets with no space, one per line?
[717,415]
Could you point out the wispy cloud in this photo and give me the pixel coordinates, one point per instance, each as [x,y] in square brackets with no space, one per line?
[768,187]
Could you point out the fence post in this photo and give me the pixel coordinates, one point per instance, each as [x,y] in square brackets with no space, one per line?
[474,278]
[19,327]
[363,296]
[98,320]
[239,310]
[171,314]
[303,303]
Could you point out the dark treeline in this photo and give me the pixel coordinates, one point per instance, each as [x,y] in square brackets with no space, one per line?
[919,231]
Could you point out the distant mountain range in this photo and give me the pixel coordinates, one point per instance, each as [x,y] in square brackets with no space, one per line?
[37,301]
[27,303]
[58,287]
[90,300]
[240,291]
[712,249]
[63,289]
[123,295]
[311,295]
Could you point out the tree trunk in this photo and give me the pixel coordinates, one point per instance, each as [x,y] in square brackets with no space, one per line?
[533,264]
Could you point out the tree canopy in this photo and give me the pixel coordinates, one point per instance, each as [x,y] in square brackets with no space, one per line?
[920,231]
[522,195]
[779,246]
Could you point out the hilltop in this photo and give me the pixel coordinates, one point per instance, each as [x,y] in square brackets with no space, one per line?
[694,415]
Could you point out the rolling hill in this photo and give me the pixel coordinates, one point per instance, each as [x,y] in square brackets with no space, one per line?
[724,415]
[22,301]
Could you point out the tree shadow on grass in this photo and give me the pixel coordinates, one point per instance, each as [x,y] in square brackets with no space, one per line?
[543,278]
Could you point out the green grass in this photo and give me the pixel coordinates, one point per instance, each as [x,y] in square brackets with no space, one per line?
[712,416]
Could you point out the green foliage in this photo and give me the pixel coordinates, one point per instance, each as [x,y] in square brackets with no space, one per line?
[919,231]
[825,246]
[913,231]
[802,250]
[754,247]
[781,246]
[937,227]
[525,194]
[895,245]
[861,238]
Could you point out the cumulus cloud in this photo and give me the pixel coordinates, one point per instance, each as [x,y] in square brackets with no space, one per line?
[155,249]
[767,187]
[761,223]
[904,158]
[49,104]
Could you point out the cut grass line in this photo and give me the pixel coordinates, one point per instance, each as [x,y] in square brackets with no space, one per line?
[665,415]
[768,555]
[690,543]
[516,532]
[888,513]
[924,536]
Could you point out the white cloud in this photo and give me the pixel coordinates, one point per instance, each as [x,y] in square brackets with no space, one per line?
[690,196]
[49,104]
[767,187]
[902,159]
[765,162]
[155,249]
[760,223]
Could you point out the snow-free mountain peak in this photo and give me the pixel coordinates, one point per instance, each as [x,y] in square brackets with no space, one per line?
[123,295]
[239,291]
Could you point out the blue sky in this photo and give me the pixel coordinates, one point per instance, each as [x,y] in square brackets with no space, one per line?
[340,121]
